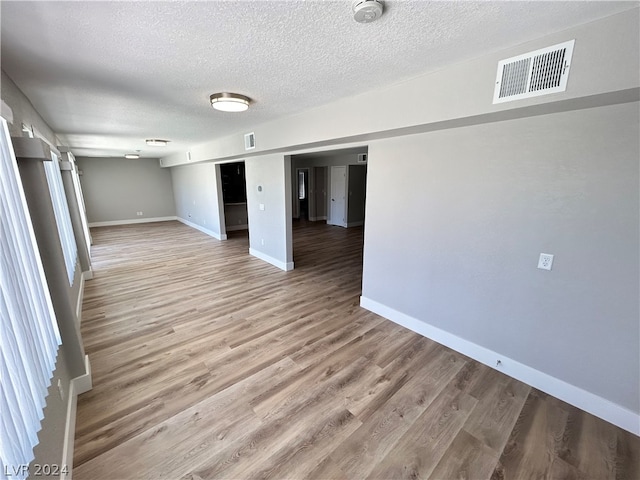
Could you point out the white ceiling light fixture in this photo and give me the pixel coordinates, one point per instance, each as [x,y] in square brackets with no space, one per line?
[367,11]
[229,102]
[131,156]
[155,142]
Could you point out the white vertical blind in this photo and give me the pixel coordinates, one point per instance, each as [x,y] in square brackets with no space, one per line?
[29,336]
[61,211]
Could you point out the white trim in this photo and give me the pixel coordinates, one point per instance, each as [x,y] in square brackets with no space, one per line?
[132,220]
[211,233]
[316,219]
[232,228]
[80,297]
[84,382]
[88,275]
[69,432]
[77,386]
[587,401]
[6,112]
[355,224]
[286,266]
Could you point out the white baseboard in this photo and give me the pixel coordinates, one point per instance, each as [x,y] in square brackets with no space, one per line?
[232,228]
[317,219]
[132,220]
[587,401]
[286,266]
[88,275]
[355,224]
[83,383]
[211,233]
[77,386]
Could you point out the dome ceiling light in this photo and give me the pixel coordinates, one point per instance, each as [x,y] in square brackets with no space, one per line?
[229,102]
[156,142]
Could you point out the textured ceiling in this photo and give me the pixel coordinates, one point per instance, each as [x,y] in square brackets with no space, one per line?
[107,75]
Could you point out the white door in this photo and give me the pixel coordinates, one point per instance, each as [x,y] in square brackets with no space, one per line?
[338,196]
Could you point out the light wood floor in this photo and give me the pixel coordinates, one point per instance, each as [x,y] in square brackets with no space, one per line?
[209,363]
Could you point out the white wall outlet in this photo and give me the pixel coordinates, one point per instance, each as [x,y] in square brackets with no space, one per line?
[262,241]
[262,206]
[546,261]
[139,214]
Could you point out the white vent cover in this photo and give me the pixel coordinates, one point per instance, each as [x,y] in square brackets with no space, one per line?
[533,74]
[249,141]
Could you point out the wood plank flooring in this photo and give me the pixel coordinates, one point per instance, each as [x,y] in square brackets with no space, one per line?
[210,363]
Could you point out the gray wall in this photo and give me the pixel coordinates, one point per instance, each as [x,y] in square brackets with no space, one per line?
[198,196]
[479,204]
[116,188]
[270,229]
[51,435]
[23,111]
[320,192]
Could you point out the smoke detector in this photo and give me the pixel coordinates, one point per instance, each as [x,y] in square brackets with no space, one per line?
[367,11]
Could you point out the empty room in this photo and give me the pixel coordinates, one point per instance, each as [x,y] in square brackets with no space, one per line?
[318,239]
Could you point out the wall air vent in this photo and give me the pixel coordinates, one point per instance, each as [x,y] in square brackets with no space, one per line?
[362,158]
[533,74]
[249,141]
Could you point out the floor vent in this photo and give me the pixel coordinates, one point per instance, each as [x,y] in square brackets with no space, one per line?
[533,74]
[249,141]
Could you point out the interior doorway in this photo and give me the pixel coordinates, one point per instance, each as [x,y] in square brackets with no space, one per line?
[328,203]
[234,196]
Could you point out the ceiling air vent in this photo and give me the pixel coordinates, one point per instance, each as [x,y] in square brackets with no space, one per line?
[249,141]
[533,74]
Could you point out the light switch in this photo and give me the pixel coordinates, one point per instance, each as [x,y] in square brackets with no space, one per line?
[262,206]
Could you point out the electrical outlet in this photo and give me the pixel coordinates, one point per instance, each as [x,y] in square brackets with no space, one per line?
[546,261]
[139,214]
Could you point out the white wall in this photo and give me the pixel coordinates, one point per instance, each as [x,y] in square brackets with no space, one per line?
[270,229]
[198,197]
[115,189]
[455,223]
